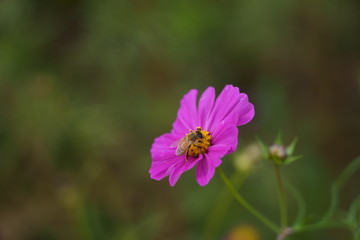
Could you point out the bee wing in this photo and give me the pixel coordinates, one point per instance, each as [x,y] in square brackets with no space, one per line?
[176,143]
[179,151]
[183,147]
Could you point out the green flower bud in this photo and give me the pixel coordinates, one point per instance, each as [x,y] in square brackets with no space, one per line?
[277,153]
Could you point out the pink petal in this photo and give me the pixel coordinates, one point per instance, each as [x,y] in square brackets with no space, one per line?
[226,133]
[218,150]
[180,167]
[161,148]
[187,116]
[205,105]
[163,156]
[205,170]
[160,170]
[231,101]
[224,105]
[245,109]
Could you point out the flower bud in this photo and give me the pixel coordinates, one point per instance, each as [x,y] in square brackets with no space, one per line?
[277,153]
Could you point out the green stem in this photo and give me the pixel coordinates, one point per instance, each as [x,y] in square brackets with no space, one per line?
[245,204]
[282,198]
[337,186]
[317,226]
[300,203]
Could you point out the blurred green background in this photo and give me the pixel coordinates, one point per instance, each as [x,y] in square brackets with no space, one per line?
[85,87]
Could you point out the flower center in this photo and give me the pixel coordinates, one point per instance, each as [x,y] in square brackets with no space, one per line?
[200,141]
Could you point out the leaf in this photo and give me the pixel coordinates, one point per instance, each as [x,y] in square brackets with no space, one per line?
[278,139]
[291,159]
[354,210]
[263,147]
[290,149]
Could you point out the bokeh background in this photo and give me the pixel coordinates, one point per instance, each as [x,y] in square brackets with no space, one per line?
[85,87]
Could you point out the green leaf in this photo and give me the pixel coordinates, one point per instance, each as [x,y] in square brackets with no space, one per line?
[291,159]
[263,147]
[278,139]
[354,210]
[290,149]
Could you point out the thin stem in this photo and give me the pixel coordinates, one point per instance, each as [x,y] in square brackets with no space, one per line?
[284,234]
[338,185]
[318,226]
[300,202]
[245,204]
[282,198]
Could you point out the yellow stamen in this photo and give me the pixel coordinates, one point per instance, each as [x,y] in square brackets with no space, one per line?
[201,143]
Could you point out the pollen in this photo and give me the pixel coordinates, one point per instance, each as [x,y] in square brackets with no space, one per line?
[201,143]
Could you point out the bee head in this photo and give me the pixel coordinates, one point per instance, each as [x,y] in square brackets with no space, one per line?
[198,132]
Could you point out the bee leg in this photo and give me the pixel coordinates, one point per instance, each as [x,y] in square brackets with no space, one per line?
[186,155]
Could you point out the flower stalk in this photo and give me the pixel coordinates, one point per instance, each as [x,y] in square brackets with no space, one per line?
[282,198]
[245,204]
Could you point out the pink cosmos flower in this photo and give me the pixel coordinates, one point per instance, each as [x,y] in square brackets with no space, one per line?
[202,134]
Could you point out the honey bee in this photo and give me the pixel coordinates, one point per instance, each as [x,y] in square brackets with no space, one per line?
[183,145]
